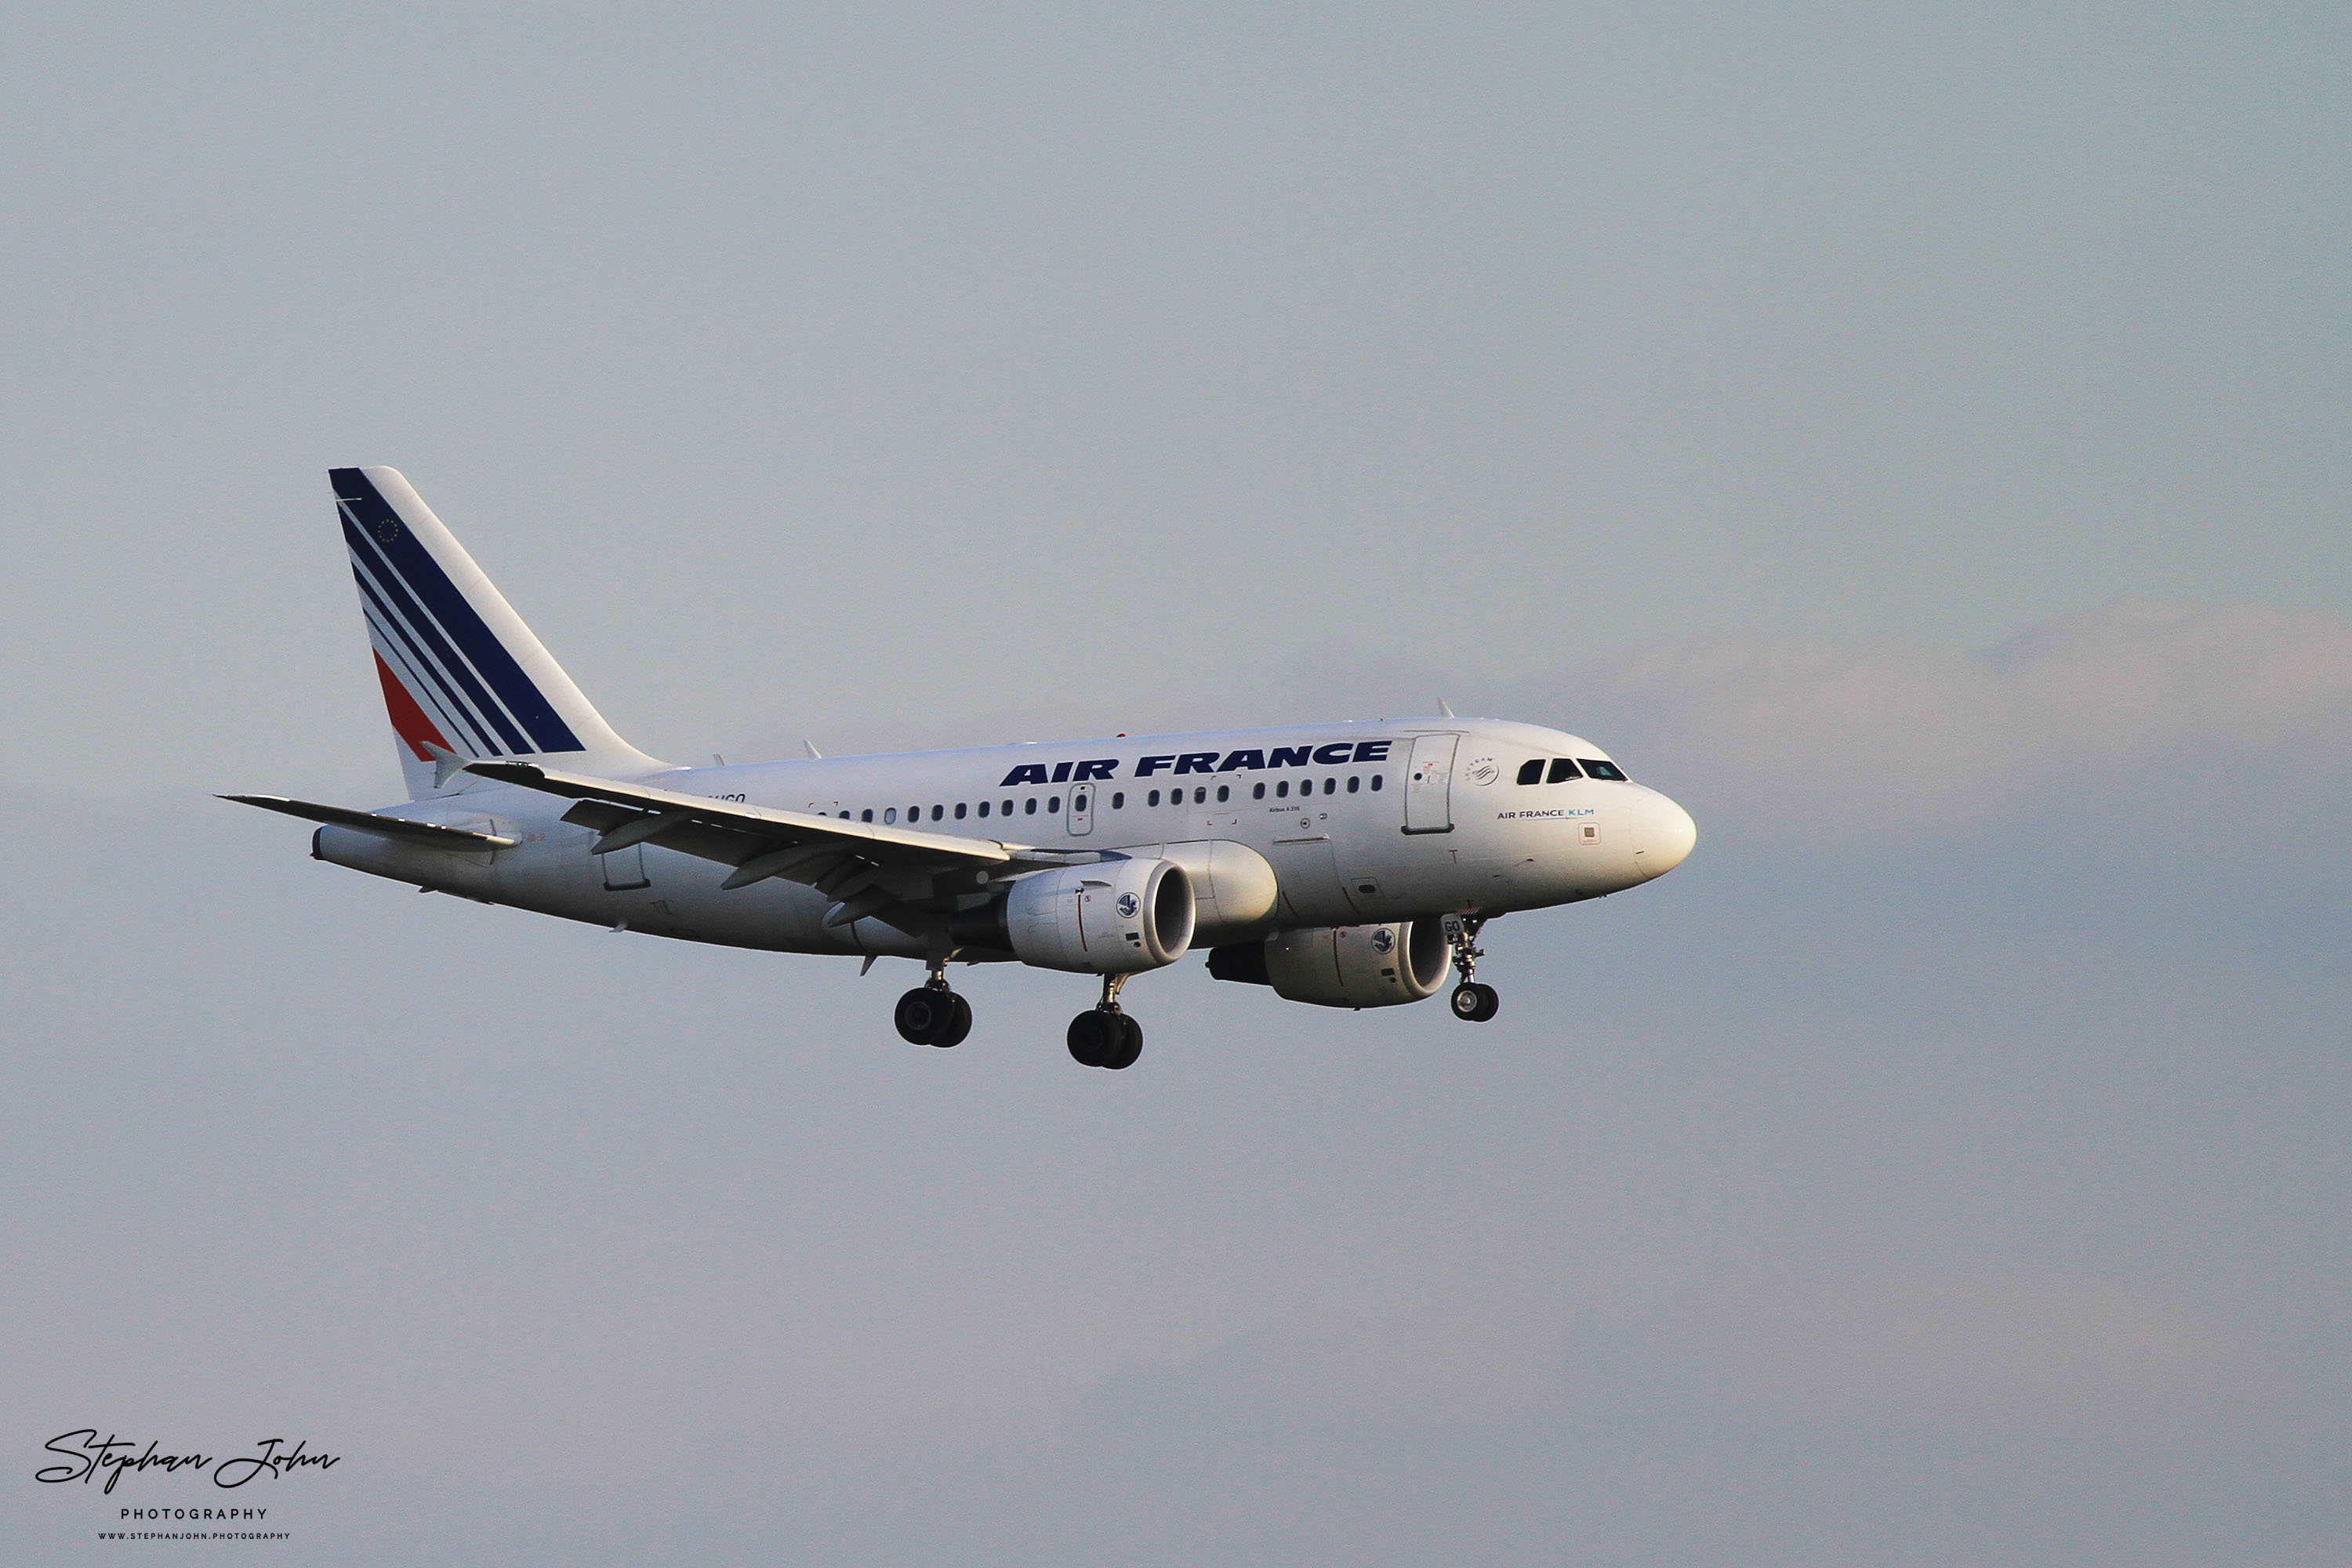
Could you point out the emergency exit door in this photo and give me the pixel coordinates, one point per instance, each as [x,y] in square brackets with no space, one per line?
[1428,784]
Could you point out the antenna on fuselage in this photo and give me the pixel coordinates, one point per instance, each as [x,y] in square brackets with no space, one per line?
[1447,707]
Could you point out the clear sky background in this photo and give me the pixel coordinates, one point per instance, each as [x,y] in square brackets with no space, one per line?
[1917,438]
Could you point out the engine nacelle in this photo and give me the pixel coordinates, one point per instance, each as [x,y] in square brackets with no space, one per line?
[1115,917]
[1234,887]
[1344,966]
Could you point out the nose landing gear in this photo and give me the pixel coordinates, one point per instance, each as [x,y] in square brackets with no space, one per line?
[1473,1002]
[1104,1036]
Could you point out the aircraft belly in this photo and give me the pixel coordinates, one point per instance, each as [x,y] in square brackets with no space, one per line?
[682,898]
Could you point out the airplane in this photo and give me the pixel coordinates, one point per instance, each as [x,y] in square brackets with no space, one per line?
[1343,865]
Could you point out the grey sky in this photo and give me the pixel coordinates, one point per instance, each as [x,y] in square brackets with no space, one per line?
[1915,437]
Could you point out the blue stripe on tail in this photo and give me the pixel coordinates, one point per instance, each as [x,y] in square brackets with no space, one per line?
[463,694]
[465,726]
[440,611]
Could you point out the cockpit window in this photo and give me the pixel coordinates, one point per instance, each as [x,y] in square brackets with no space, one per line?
[1562,770]
[1531,771]
[1594,768]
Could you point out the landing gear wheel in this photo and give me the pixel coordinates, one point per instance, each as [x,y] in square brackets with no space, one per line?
[1129,1046]
[1475,1004]
[928,1017]
[1094,1037]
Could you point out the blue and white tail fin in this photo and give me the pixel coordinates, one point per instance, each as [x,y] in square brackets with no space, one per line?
[463,677]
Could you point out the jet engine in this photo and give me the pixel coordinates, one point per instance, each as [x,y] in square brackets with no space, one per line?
[1115,917]
[1343,966]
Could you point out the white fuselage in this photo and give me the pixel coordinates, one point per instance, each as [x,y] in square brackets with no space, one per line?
[1354,831]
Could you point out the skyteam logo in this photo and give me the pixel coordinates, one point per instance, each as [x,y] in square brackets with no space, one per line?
[1383,941]
[1128,905]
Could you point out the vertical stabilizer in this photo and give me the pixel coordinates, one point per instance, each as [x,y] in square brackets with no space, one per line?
[463,677]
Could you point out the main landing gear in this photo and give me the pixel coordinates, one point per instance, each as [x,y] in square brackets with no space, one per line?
[1473,1002]
[931,1014]
[1104,1036]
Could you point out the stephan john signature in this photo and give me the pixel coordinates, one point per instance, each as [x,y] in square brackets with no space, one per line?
[114,1456]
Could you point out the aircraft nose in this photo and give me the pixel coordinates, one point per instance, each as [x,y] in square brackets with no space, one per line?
[1663,835]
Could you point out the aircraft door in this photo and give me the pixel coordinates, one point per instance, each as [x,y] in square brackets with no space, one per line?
[1428,784]
[1081,810]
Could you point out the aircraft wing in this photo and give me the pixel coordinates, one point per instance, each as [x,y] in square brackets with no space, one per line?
[429,833]
[868,868]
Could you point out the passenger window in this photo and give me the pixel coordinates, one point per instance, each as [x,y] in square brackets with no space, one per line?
[1029,807]
[936,812]
[1353,781]
[1531,771]
[1118,801]
[866,816]
[844,817]
[1201,795]
[1008,808]
[1330,787]
[1594,768]
[1562,770]
[983,808]
[1224,794]
[958,811]
[1054,803]
[1257,792]
[890,816]
[1376,781]
[1153,798]
[1282,790]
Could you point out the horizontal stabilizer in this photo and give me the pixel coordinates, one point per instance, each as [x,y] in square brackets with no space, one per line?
[458,838]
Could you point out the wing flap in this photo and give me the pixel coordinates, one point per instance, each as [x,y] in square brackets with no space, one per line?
[707,841]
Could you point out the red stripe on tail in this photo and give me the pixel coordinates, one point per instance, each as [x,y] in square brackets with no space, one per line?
[408,720]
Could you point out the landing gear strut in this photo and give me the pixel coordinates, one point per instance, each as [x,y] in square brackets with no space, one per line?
[1473,1002]
[1104,1036]
[931,1014]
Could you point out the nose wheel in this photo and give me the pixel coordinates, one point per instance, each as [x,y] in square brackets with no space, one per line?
[931,1014]
[1104,1036]
[1473,1002]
